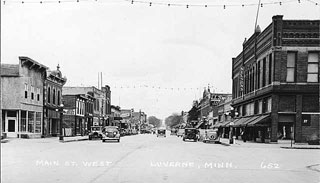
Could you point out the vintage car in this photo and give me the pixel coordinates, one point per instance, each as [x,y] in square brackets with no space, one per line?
[211,135]
[180,132]
[161,133]
[173,131]
[190,134]
[110,133]
[95,132]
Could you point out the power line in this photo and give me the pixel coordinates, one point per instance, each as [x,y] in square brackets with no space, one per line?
[152,3]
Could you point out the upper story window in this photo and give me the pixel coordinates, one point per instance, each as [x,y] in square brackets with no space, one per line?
[313,67]
[59,97]
[49,94]
[32,92]
[291,63]
[25,90]
[38,94]
[54,96]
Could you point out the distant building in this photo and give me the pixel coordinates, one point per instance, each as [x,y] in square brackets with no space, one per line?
[101,102]
[74,119]
[276,82]
[22,98]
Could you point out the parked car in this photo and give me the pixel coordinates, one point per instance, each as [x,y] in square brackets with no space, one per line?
[180,132]
[190,134]
[211,135]
[161,133]
[173,131]
[110,133]
[95,132]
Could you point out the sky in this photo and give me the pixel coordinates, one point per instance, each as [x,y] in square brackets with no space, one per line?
[155,58]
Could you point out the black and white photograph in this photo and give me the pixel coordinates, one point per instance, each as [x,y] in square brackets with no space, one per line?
[161,91]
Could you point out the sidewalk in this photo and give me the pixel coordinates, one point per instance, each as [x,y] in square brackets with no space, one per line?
[286,144]
[46,140]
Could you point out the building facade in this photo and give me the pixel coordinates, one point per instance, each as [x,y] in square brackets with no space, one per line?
[74,119]
[52,102]
[276,82]
[22,98]
[101,102]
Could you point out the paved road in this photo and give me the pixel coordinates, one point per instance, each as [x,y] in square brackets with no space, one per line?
[146,158]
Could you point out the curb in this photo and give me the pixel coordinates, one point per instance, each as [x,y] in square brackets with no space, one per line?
[74,140]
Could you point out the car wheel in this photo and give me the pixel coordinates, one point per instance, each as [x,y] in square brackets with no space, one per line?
[118,140]
[184,139]
[103,140]
[90,138]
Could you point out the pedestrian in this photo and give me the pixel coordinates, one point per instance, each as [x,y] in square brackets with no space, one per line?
[243,135]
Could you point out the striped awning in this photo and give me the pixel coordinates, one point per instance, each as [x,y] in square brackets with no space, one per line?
[260,121]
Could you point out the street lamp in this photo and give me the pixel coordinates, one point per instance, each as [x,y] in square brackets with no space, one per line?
[60,109]
[232,113]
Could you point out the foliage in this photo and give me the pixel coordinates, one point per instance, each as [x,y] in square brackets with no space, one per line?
[193,114]
[173,120]
[154,121]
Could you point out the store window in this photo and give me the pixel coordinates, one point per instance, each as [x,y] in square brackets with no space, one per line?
[313,67]
[23,124]
[306,119]
[31,121]
[291,62]
[38,122]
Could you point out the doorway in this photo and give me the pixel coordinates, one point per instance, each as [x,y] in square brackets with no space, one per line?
[12,127]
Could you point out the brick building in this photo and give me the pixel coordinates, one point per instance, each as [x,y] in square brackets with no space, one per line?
[74,119]
[52,100]
[22,98]
[276,82]
[101,102]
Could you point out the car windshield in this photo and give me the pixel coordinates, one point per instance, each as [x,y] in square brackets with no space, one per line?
[191,130]
[111,129]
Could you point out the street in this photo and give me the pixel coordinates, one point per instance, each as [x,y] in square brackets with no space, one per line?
[146,158]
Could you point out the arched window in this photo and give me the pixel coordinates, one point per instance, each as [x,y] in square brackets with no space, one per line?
[49,94]
[59,97]
[54,96]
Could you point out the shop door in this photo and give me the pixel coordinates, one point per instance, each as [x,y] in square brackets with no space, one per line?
[12,127]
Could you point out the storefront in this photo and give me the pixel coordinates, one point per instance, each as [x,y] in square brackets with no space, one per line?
[28,124]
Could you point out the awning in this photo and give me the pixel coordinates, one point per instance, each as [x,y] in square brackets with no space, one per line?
[224,124]
[260,121]
[241,121]
[249,121]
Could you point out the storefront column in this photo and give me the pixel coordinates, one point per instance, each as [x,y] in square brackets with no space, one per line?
[274,118]
[297,136]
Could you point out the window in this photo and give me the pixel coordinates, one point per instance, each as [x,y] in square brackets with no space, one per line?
[270,69]
[264,69]
[59,97]
[38,94]
[49,94]
[38,122]
[32,92]
[30,121]
[313,67]
[54,96]
[26,90]
[291,62]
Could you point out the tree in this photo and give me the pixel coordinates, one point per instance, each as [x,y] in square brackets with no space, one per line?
[154,121]
[173,120]
[193,114]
